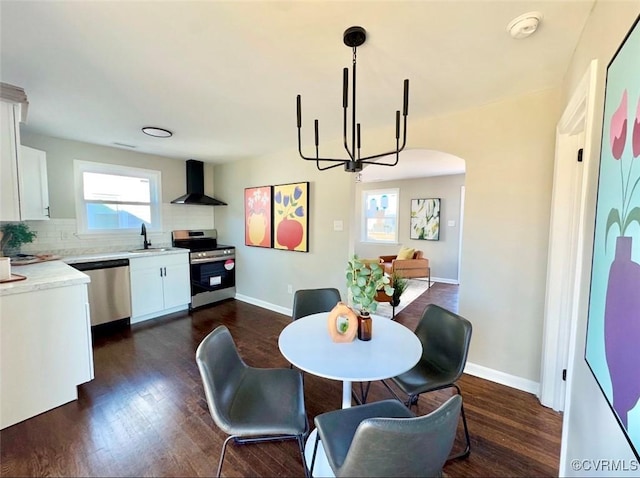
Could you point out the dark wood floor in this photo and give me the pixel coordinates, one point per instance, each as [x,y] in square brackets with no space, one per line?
[145,412]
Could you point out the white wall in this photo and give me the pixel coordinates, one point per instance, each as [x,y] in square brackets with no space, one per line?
[508,148]
[590,432]
[263,275]
[59,234]
[443,253]
[62,152]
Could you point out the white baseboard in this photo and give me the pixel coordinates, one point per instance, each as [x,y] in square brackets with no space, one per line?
[502,378]
[480,371]
[264,305]
[445,281]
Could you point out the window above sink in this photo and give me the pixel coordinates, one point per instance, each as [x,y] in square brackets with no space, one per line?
[115,198]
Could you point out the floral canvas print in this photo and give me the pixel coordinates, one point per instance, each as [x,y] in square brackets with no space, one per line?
[425,219]
[257,217]
[613,329]
[291,216]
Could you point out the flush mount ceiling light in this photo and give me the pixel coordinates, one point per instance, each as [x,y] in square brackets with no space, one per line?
[524,25]
[354,37]
[157,132]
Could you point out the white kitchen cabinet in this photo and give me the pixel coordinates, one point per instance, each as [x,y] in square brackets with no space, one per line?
[24,192]
[9,146]
[45,344]
[159,285]
[33,186]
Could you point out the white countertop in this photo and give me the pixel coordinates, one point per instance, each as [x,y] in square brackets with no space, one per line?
[50,274]
[103,256]
[43,275]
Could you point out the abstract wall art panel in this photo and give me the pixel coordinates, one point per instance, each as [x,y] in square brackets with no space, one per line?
[425,219]
[257,217]
[291,216]
[612,349]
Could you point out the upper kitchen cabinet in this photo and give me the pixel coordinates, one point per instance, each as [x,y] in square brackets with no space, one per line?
[33,187]
[9,144]
[24,193]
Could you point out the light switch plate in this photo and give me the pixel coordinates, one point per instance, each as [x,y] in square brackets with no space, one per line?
[337,225]
[451,223]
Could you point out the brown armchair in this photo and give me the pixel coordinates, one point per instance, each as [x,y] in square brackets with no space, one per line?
[418,266]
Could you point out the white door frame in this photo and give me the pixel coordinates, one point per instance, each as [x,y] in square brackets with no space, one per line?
[573,132]
[461,223]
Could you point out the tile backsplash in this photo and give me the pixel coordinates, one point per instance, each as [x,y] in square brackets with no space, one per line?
[59,236]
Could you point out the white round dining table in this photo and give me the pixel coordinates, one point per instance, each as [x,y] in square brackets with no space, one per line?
[392,350]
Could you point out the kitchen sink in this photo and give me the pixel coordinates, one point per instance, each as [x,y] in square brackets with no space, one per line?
[150,249]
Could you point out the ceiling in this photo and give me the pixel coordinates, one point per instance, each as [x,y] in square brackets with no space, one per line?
[223,76]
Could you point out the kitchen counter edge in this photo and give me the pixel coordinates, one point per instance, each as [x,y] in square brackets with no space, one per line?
[105,256]
[60,273]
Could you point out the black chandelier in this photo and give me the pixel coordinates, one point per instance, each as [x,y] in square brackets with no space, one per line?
[355,37]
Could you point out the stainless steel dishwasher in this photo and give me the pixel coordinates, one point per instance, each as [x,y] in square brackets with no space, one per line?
[109,289]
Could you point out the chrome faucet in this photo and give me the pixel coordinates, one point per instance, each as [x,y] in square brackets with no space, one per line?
[144,233]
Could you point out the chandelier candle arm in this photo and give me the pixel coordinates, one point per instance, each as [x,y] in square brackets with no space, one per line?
[354,37]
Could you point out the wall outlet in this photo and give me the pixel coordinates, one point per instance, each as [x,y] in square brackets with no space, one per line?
[290,289]
[64,235]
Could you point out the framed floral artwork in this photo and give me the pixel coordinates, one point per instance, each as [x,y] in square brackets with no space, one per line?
[291,217]
[257,217]
[612,349]
[425,219]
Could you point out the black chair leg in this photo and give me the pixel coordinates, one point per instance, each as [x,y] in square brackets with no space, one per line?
[304,460]
[413,400]
[364,392]
[224,448]
[395,395]
[467,450]
[313,457]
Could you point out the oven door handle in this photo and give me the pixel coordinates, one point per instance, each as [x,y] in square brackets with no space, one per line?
[210,260]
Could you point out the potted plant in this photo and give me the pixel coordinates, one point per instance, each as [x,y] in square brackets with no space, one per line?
[14,234]
[363,281]
[400,284]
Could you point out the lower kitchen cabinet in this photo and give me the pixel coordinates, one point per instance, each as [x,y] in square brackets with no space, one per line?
[159,285]
[45,349]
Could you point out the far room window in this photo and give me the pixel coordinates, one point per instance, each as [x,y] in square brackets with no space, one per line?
[380,215]
[112,198]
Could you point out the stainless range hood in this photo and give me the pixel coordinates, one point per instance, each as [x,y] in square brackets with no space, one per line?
[195,187]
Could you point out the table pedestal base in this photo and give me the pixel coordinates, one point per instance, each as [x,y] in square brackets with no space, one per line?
[321,466]
[346,394]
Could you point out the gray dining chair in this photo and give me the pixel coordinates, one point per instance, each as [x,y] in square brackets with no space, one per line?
[445,338]
[250,404]
[312,301]
[386,439]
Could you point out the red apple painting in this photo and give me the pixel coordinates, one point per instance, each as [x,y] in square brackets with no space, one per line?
[291,216]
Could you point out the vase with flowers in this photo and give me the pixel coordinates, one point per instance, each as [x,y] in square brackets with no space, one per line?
[622,305]
[364,279]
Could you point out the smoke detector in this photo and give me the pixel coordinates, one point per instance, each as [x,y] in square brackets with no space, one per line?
[524,25]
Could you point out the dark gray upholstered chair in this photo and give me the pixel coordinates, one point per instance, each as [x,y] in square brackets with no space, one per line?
[386,439]
[312,301]
[445,339]
[250,404]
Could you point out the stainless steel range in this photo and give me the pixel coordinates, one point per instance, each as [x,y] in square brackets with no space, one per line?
[213,265]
